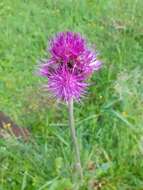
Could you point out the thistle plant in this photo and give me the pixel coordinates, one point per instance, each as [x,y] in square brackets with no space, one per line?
[70,64]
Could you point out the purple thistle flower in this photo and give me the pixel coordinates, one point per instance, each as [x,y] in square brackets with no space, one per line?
[64,84]
[71,62]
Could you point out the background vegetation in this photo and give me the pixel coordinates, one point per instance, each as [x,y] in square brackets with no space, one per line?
[109,120]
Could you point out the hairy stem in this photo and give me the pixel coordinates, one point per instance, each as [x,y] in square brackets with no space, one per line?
[74,138]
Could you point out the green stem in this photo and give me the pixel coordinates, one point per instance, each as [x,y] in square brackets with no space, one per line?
[74,138]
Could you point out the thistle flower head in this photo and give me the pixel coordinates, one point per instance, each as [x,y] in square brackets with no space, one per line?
[71,62]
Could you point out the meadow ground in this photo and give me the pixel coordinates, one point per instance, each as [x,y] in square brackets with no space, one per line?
[109,120]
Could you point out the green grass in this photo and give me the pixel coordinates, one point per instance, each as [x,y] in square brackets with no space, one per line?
[109,120]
